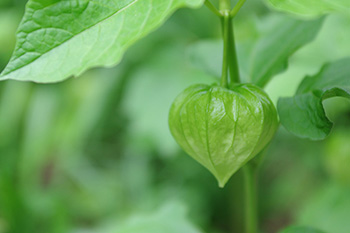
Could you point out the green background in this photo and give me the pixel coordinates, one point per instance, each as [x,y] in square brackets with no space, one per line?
[94,153]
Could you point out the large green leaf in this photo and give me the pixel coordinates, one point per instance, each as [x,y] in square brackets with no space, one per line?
[312,7]
[300,229]
[303,114]
[58,39]
[271,53]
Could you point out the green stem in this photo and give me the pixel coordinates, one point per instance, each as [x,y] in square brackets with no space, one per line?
[237,7]
[251,220]
[230,60]
[225,21]
[232,55]
[212,8]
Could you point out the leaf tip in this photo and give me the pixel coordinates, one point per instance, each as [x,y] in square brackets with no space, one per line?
[222,181]
[222,184]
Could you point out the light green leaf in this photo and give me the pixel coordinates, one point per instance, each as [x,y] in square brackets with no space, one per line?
[303,114]
[271,53]
[312,7]
[58,39]
[299,229]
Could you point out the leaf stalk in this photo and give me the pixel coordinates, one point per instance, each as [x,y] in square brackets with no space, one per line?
[212,8]
[237,7]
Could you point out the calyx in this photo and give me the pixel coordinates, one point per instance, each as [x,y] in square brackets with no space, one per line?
[223,128]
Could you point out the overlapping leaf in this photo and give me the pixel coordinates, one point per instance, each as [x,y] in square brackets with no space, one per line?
[303,114]
[58,39]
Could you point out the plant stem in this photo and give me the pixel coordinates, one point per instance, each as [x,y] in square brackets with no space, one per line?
[226,36]
[232,55]
[230,60]
[237,7]
[212,8]
[251,222]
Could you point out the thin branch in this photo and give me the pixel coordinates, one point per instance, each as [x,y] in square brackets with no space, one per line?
[237,7]
[212,8]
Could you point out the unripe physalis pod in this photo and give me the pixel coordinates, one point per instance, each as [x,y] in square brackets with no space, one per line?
[223,128]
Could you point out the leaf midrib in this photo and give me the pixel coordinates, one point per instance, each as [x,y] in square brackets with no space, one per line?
[88,28]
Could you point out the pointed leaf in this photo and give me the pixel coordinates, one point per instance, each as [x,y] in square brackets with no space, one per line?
[58,39]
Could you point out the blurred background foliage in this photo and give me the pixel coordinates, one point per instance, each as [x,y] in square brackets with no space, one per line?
[94,154]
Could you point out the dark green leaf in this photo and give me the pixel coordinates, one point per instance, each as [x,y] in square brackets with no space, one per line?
[303,114]
[58,39]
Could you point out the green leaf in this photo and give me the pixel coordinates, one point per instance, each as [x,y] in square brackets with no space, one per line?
[299,229]
[303,114]
[58,39]
[312,7]
[271,53]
